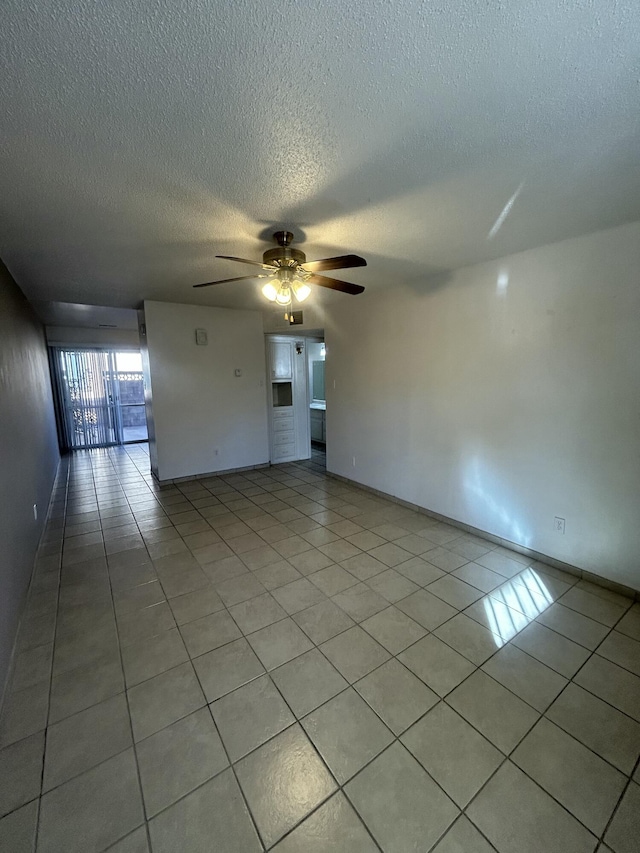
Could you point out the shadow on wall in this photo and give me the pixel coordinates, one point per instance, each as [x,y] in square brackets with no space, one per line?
[490,504]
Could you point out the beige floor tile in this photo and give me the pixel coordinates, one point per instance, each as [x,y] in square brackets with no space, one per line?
[308,681]
[574,625]
[209,633]
[93,810]
[354,653]
[455,591]
[24,713]
[162,700]
[227,668]
[80,688]
[594,606]
[396,695]
[458,757]
[215,810]
[392,585]
[622,836]
[250,715]
[393,629]
[178,759]
[298,595]
[426,609]
[360,601]
[621,650]
[497,713]
[469,638]
[18,829]
[283,781]
[20,772]
[323,621]
[552,649]
[585,784]
[402,806]
[610,682]
[334,826]
[516,815]
[437,664]
[80,742]
[332,580]
[347,734]
[278,643]
[525,676]
[463,837]
[598,725]
[195,605]
[146,658]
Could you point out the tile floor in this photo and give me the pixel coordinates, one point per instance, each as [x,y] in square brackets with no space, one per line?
[278,661]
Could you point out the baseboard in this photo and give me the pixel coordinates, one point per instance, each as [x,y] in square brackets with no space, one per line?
[202,476]
[605,583]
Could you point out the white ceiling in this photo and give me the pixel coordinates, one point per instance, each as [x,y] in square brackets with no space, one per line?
[140,139]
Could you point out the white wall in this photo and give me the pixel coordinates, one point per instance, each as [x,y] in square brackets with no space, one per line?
[199,405]
[81,336]
[502,397]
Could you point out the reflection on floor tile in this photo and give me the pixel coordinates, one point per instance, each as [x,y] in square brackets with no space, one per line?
[283,781]
[277,660]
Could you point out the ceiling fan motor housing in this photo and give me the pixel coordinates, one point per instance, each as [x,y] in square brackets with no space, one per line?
[284,255]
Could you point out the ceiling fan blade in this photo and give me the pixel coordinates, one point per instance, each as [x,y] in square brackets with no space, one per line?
[339,263]
[225,280]
[336,284]
[245,261]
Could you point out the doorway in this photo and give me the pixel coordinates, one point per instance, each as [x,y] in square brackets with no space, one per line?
[316,354]
[100,397]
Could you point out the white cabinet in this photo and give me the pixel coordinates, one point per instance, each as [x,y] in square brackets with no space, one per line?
[283,437]
[288,399]
[281,359]
[318,428]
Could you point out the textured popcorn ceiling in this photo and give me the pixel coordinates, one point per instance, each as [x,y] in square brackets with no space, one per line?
[140,139]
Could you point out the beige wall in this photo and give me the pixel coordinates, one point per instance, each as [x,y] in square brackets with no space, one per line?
[503,396]
[199,405]
[28,454]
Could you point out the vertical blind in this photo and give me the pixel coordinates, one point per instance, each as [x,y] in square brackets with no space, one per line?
[87,397]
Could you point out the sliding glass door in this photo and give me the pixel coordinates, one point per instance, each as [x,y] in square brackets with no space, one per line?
[101,397]
[130,397]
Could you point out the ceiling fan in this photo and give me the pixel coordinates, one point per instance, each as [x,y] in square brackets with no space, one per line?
[289,274]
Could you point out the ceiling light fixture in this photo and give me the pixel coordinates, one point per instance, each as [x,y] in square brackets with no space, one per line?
[282,285]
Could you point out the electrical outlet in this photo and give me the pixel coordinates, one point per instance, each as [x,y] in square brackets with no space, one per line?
[35,512]
[354,462]
[216,451]
[558,524]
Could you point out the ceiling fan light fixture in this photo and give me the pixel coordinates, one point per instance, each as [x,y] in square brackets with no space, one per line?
[301,290]
[283,296]
[270,291]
